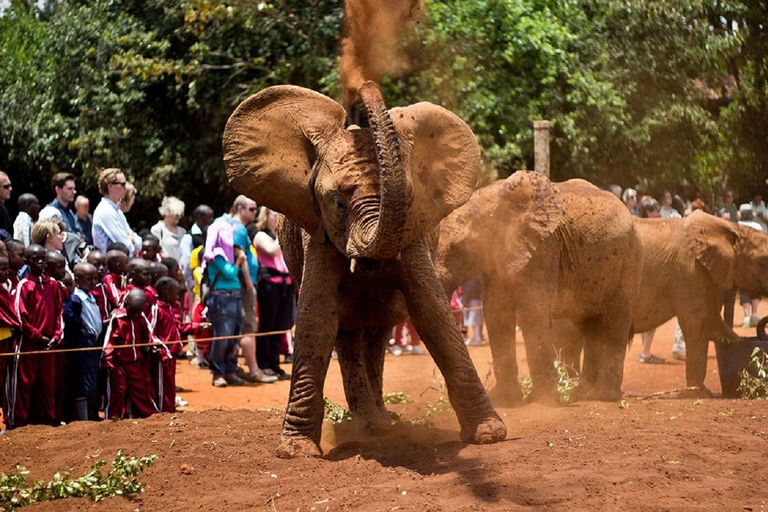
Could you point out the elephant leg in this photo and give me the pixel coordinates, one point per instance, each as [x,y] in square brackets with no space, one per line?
[317,321]
[540,354]
[606,342]
[431,314]
[361,358]
[499,312]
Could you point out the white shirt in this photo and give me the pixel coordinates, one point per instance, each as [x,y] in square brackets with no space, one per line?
[22,227]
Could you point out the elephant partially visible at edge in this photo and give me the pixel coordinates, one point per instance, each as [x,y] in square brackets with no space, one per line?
[359,204]
[560,255]
[685,262]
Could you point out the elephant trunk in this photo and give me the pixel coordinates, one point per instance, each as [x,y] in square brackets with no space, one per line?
[379,224]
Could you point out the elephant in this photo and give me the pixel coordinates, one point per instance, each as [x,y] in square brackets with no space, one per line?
[563,256]
[358,205]
[685,262]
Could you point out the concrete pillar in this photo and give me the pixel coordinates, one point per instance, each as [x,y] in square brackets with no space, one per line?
[541,147]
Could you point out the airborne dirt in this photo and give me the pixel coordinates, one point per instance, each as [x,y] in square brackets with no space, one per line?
[651,452]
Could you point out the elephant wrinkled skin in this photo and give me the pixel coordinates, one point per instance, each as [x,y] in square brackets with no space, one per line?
[685,261]
[566,258]
[359,204]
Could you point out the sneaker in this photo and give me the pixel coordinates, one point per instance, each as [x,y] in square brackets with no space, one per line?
[745,324]
[260,377]
[233,380]
[396,350]
[650,359]
[180,402]
[284,376]
[753,321]
[678,353]
[417,350]
[219,381]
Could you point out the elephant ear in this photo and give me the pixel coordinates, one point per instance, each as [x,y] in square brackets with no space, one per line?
[270,148]
[533,206]
[443,159]
[713,242]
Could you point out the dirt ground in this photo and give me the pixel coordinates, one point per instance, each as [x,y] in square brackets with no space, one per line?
[654,451]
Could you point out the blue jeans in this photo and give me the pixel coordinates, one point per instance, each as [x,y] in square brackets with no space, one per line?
[226,316]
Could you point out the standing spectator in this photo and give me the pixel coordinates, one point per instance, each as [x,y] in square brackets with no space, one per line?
[9,324]
[193,239]
[759,211]
[748,302]
[63,185]
[168,230]
[5,194]
[38,307]
[730,207]
[275,295]
[615,190]
[629,197]
[471,297]
[84,218]
[649,208]
[667,211]
[29,208]
[109,222]
[82,328]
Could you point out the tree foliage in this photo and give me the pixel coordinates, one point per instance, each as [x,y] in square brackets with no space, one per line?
[643,93]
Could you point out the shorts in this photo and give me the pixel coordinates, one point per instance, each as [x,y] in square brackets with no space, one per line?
[249,310]
[746,299]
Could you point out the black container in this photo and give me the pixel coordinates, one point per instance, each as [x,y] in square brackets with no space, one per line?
[732,358]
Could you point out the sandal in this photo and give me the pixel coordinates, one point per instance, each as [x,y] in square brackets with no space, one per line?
[650,359]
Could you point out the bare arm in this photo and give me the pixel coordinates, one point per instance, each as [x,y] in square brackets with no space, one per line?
[264,243]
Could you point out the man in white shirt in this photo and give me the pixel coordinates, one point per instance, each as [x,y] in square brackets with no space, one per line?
[109,222]
[759,211]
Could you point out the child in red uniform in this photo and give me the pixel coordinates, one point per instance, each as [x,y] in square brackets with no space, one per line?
[99,292]
[169,329]
[130,391]
[139,277]
[115,282]
[15,261]
[9,325]
[56,268]
[38,307]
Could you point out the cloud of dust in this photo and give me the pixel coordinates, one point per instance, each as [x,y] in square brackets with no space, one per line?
[371,48]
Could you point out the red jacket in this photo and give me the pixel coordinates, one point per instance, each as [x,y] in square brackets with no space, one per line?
[169,327]
[114,289]
[124,331]
[99,293]
[39,308]
[8,316]
[151,294]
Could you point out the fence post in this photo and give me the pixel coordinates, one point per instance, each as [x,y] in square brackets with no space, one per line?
[541,147]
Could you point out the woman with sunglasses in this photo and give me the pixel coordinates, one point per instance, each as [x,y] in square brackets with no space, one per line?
[109,222]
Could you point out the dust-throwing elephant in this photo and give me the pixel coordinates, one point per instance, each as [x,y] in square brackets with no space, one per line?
[560,255]
[359,204]
[685,261]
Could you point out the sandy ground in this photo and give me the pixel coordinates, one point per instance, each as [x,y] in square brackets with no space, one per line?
[653,451]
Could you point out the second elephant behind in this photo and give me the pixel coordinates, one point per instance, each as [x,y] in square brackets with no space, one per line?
[557,255]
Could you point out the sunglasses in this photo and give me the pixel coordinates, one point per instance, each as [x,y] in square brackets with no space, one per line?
[6,186]
[121,183]
[255,208]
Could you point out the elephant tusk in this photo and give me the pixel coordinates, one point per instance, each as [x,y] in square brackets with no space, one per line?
[352,265]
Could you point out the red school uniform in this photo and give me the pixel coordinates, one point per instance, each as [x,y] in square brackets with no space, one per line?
[151,294]
[9,326]
[99,293]
[32,379]
[60,393]
[114,289]
[169,329]
[128,365]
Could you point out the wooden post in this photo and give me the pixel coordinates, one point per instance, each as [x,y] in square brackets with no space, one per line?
[541,147]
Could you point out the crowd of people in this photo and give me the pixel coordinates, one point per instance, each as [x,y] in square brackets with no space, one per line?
[96,314]
[753,214]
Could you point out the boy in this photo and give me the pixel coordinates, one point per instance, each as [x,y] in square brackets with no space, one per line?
[38,307]
[16,263]
[150,248]
[157,271]
[82,328]
[56,268]
[139,276]
[9,324]
[99,260]
[128,365]
[115,280]
[169,329]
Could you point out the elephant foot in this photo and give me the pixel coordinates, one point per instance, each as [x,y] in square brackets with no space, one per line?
[506,396]
[375,423]
[550,398]
[491,430]
[596,394]
[700,391]
[294,446]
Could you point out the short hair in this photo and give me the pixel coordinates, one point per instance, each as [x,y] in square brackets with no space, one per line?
[648,204]
[106,177]
[60,179]
[171,206]
[165,283]
[202,209]
[119,246]
[81,199]
[149,237]
[41,229]
[25,200]
[172,264]
[12,243]
[240,200]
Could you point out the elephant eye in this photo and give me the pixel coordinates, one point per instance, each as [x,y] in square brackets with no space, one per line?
[339,203]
